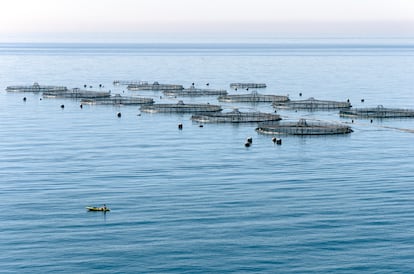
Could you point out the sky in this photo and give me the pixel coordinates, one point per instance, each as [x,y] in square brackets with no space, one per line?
[135,20]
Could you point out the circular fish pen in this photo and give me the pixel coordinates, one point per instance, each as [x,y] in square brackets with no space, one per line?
[154,86]
[247,85]
[76,93]
[303,127]
[192,91]
[235,116]
[180,107]
[36,88]
[377,112]
[312,104]
[253,97]
[118,100]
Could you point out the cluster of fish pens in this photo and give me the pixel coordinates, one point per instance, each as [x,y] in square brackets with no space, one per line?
[268,123]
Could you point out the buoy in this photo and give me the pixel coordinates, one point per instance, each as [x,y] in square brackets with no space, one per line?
[348,100]
[207,84]
[235,89]
[201,126]
[85,86]
[62,106]
[247,88]
[300,94]
[119,114]
[90,86]
[352,121]
[40,99]
[100,85]
[371,121]
[278,141]
[362,100]
[139,114]
[180,126]
[247,144]
[24,99]
[249,140]
[274,139]
[81,106]
[192,84]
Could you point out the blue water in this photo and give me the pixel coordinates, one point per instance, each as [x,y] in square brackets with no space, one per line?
[197,200]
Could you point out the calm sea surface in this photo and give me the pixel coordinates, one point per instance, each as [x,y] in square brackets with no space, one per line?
[196,200]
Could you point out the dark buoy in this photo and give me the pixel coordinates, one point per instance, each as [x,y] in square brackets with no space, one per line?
[40,99]
[62,106]
[300,94]
[81,106]
[278,141]
[201,126]
[207,84]
[90,86]
[119,114]
[235,89]
[371,121]
[274,139]
[192,84]
[100,85]
[348,100]
[352,121]
[24,99]
[247,88]
[249,140]
[85,86]
[247,144]
[362,100]
[180,126]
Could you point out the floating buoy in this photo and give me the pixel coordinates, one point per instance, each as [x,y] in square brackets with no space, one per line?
[139,114]
[24,99]
[247,88]
[207,84]
[274,139]
[81,106]
[249,140]
[180,126]
[201,126]
[235,89]
[300,94]
[85,86]
[100,85]
[62,106]
[362,100]
[119,114]
[278,141]
[247,144]
[348,100]
[371,121]
[90,86]
[352,121]
[40,99]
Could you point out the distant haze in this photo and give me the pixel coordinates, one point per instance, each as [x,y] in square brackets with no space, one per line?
[133,21]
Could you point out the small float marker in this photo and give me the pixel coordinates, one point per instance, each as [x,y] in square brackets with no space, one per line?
[62,106]
[119,114]
[180,126]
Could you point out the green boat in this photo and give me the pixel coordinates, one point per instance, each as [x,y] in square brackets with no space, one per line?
[93,208]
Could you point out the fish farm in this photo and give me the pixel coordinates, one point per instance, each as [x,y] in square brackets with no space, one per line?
[377,112]
[76,93]
[253,97]
[192,91]
[118,100]
[247,85]
[303,127]
[154,86]
[312,104]
[235,116]
[36,88]
[180,107]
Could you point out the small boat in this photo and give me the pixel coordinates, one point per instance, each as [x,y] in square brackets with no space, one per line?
[93,208]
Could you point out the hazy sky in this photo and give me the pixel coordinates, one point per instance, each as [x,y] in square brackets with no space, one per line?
[112,19]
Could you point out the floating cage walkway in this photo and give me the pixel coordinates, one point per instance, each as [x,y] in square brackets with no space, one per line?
[180,107]
[76,93]
[235,116]
[36,88]
[303,127]
[247,85]
[254,97]
[192,91]
[154,86]
[312,104]
[377,112]
[118,100]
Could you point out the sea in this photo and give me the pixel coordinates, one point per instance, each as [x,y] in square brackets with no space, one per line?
[196,200]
